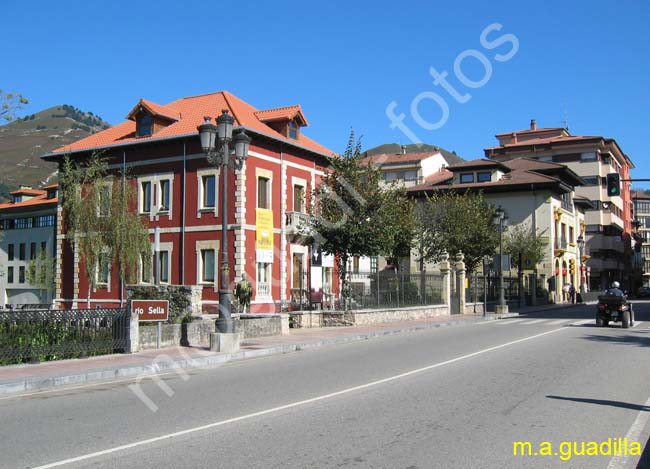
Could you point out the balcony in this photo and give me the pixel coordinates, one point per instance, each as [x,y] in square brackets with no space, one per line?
[263,290]
[561,246]
[297,226]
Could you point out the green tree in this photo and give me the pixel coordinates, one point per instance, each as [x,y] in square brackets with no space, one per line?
[9,104]
[455,223]
[40,272]
[521,242]
[355,215]
[102,221]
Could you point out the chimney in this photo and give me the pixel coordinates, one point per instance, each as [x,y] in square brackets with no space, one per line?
[403,148]
[514,137]
[24,186]
[533,124]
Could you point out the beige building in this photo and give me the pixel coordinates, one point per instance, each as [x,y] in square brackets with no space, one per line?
[536,194]
[608,221]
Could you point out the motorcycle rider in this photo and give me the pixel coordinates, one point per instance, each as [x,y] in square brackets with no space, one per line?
[615,290]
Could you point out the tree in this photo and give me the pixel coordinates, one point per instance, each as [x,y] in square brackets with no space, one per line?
[40,271]
[354,215]
[522,243]
[101,220]
[9,104]
[455,223]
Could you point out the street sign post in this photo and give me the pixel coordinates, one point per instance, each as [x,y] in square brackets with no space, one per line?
[152,311]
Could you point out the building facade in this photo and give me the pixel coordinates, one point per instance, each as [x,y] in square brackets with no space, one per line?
[641,203]
[27,225]
[179,193]
[537,195]
[609,220]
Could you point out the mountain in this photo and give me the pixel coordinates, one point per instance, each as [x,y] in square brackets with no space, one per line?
[390,148]
[25,140]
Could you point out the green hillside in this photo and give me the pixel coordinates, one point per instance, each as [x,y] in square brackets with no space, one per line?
[25,140]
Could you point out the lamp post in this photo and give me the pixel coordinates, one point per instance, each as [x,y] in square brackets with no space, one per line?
[502,220]
[216,142]
[581,250]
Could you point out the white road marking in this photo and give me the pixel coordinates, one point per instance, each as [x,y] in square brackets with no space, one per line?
[291,405]
[534,321]
[632,435]
[637,323]
[583,322]
[558,321]
[509,321]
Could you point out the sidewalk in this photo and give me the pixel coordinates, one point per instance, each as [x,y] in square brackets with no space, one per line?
[33,378]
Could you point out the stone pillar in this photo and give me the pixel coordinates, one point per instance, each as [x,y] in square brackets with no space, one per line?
[460,279]
[542,279]
[446,284]
[134,333]
[533,288]
[284,318]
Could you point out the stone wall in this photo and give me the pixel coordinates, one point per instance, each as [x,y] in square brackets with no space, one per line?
[197,333]
[392,315]
[308,319]
[469,308]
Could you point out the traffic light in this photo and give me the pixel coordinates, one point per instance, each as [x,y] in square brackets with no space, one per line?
[572,266]
[613,184]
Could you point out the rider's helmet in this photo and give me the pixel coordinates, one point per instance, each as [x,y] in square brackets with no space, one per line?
[615,284]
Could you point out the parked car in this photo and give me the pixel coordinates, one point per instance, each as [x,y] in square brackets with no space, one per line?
[643,292]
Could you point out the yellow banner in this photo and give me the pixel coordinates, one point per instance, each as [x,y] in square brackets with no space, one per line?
[264,222]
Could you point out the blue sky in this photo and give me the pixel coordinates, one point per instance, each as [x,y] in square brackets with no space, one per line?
[586,62]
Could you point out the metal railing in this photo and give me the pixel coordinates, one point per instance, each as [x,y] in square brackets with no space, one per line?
[263,289]
[296,220]
[42,335]
[388,288]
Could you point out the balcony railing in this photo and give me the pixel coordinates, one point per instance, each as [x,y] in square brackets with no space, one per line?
[296,222]
[263,289]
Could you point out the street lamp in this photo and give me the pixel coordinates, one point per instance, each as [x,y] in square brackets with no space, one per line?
[502,220]
[581,250]
[216,141]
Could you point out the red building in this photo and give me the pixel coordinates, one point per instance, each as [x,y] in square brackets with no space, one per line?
[179,192]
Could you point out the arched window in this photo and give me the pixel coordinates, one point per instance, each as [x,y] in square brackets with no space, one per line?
[145,125]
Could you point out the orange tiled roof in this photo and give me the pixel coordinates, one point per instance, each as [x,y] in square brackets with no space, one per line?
[542,141]
[282,113]
[155,109]
[191,111]
[36,201]
[28,192]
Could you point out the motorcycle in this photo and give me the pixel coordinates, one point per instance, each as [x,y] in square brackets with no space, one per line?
[614,308]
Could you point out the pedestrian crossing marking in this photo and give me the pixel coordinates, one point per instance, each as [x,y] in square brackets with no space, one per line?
[557,322]
[509,321]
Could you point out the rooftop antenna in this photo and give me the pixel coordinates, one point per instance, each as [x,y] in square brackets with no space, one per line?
[565,112]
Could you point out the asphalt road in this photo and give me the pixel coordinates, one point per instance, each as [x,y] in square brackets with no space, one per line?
[449,397]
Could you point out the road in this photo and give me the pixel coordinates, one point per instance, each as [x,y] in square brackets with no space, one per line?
[448,397]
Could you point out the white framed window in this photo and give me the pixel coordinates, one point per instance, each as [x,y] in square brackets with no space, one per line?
[145,196]
[264,188]
[145,269]
[156,194]
[299,194]
[105,200]
[206,263]
[164,264]
[103,271]
[207,181]
[164,195]
[208,266]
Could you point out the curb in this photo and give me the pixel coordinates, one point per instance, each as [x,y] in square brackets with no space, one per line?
[162,365]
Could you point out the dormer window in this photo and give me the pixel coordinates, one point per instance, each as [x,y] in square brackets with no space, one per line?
[144,125]
[18,198]
[292,130]
[466,178]
[484,176]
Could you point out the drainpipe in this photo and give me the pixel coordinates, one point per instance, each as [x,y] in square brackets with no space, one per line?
[181,256]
